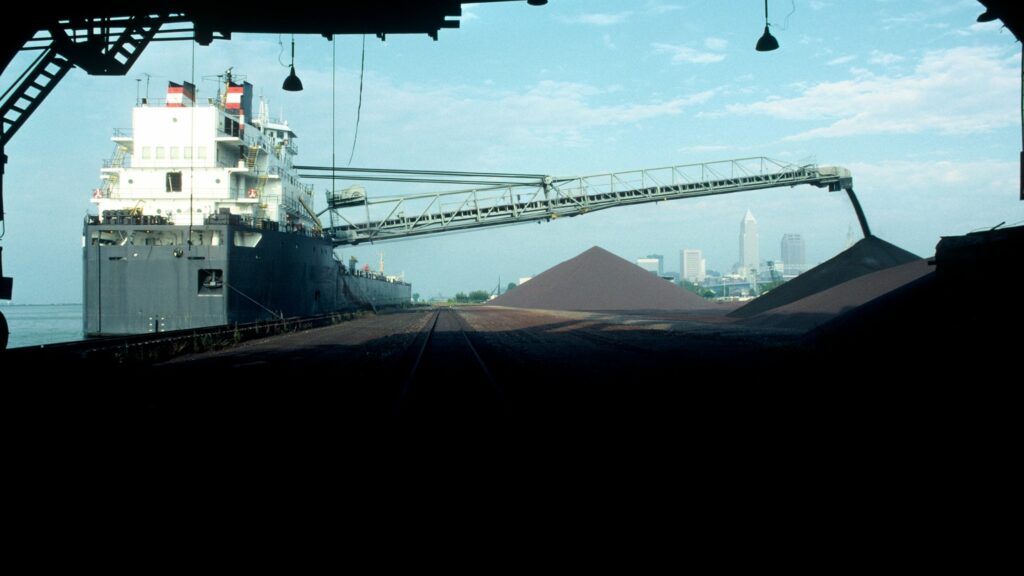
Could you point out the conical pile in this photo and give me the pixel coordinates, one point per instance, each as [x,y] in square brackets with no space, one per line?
[816,309]
[869,255]
[598,280]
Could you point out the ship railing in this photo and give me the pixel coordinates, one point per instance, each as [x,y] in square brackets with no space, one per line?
[122,133]
[372,276]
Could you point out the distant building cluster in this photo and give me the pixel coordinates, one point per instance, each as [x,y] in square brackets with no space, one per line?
[750,275]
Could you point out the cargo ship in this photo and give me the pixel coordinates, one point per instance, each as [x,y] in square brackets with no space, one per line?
[201,220]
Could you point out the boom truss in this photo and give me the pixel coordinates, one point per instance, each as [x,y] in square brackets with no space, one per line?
[503,199]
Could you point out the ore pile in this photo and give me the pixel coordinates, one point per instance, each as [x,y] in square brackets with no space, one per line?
[599,280]
[865,257]
[816,309]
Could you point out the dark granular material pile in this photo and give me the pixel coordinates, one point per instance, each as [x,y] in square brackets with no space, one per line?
[869,255]
[600,280]
[816,309]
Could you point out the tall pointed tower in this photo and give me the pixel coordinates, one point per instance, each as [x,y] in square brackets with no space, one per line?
[749,258]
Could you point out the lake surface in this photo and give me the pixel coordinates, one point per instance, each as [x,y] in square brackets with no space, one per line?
[32,325]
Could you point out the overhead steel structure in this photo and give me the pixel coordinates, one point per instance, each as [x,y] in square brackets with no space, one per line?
[502,199]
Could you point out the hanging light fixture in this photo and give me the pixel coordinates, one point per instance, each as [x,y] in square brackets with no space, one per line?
[767,42]
[292,82]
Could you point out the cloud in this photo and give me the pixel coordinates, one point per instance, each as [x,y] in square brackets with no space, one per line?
[661,8]
[980,28]
[600,19]
[938,197]
[468,13]
[841,60]
[499,125]
[884,58]
[687,55]
[716,43]
[957,91]
[704,148]
[996,178]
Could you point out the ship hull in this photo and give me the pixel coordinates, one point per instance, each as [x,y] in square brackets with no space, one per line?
[142,279]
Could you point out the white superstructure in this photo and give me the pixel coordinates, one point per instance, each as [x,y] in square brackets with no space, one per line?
[183,162]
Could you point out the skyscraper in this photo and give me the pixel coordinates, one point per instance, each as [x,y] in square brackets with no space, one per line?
[649,264]
[793,253]
[691,262]
[661,263]
[749,259]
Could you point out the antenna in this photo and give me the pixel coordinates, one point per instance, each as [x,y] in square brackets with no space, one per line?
[148,77]
[218,78]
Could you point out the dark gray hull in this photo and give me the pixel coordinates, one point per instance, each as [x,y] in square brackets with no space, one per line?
[148,278]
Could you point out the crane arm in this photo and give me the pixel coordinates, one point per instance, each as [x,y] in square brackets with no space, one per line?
[548,198]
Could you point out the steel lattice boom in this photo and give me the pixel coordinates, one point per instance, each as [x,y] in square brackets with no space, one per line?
[519,198]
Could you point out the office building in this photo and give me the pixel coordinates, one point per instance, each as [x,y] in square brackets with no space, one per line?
[793,254]
[652,265]
[692,264]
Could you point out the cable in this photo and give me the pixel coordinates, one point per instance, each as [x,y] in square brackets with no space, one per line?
[359,109]
[423,172]
[249,298]
[334,108]
[785,24]
[191,161]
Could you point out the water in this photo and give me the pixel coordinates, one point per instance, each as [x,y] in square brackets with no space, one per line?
[32,325]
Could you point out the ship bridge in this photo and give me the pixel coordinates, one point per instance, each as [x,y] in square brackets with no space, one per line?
[499,199]
[184,161]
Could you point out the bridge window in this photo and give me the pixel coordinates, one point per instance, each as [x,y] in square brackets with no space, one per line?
[187,152]
[201,152]
[147,152]
[173,152]
[159,152]
[173,181]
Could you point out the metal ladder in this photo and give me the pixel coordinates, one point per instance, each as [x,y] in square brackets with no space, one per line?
[252,156]
[28,93]
[93,55]
[111,179]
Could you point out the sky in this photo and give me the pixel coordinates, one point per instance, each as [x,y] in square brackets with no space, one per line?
[916,98]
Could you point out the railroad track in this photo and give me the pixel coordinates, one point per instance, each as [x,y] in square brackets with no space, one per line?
[448,383]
